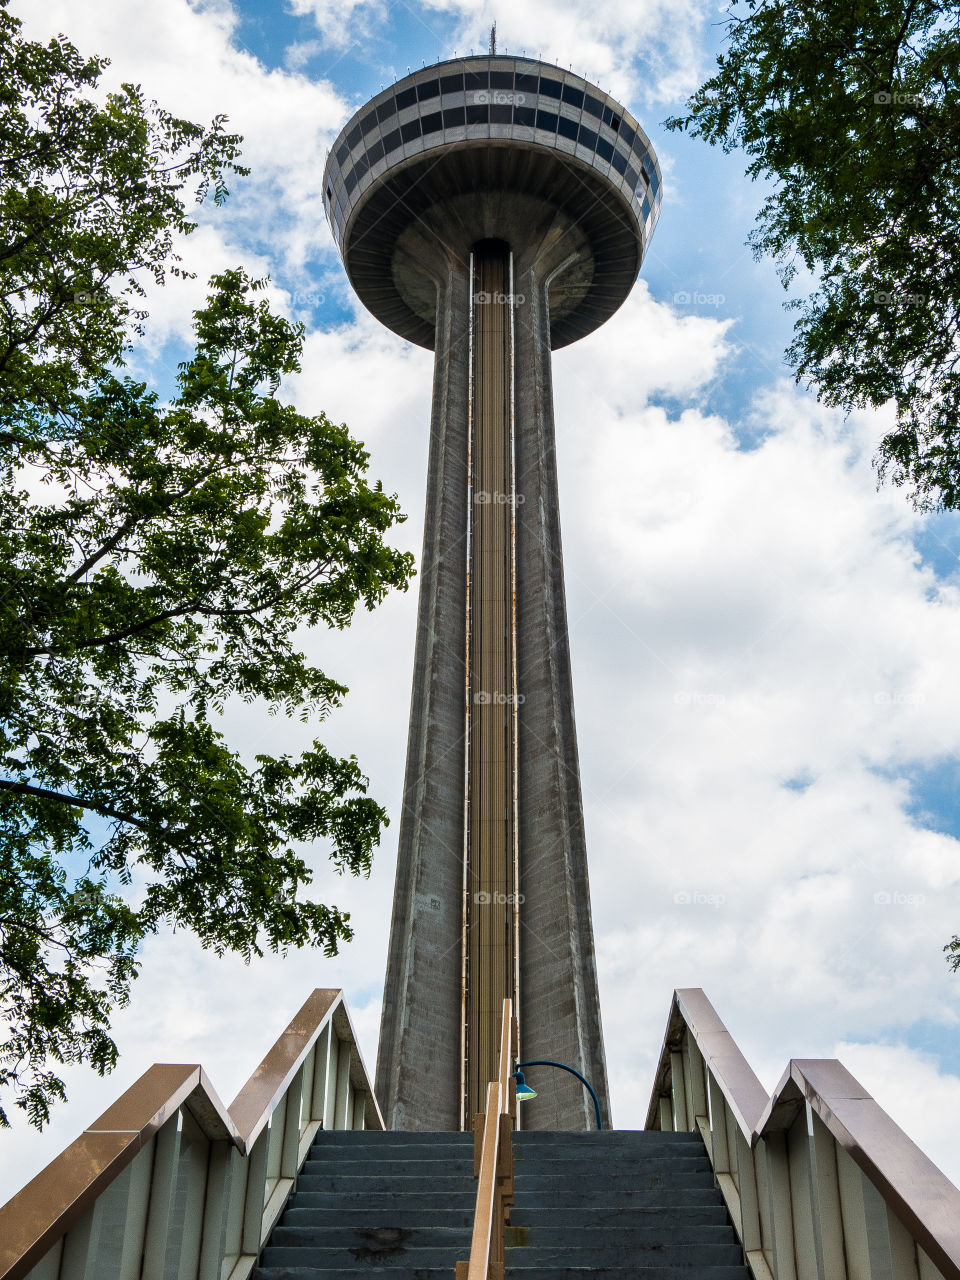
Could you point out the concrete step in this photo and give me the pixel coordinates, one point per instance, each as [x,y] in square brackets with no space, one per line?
[395,1273]
[576,1235]
[365,1256]
[370,1166]
[606,1272]
[687,1262]
[424,1235]
[615,1272]
[373,1183]
[608,1137]
[433,1151]
[383,1201]
[617,1255]
[612,1218]
[556,1161]
[376,1137]
[611,1184]
[299,1215]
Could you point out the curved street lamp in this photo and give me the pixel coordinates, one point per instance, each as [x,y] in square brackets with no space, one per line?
[524,1090]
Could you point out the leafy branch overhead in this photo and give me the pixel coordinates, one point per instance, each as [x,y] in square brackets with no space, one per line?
[853,112]
[156,560]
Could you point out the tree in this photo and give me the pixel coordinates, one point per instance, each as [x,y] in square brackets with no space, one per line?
[853,111]
[156,559]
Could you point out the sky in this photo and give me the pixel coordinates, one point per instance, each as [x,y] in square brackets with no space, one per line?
[763,644]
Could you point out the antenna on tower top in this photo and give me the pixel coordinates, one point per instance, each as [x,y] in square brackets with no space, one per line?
[493,39]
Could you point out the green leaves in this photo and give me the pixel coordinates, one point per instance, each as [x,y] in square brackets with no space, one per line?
[854,112]
[156,560]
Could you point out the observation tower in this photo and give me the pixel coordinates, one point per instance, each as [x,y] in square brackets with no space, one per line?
[491,209]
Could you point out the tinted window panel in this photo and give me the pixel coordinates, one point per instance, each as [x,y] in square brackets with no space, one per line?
[605,149]
[363,164]
[392,141]
[432,122]
[451,84]
[501,115]
[429,89]
[619,162]
[525,115]
[477,114]
[387,109]
[593,106]
[342,152]
[351,181]
[501,79]
[526,84]
[376,152]
[567,128]
[550,88]
[630,175]
[627,133]
[572,95]
[410,130]
[353,137]
[368,123]
[587,138]
[454,116]
[547,120]
[406,98]
[476,80]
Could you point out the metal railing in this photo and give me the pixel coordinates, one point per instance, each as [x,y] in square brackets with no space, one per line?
[493,1162]
[820,1183]
[169,1184]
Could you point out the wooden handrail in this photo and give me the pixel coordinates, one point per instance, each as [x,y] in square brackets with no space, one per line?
[493,1162]
[44,1210]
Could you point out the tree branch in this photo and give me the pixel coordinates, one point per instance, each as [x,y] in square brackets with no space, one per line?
[97,806]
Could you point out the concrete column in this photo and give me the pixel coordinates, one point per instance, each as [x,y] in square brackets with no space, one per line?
[419,1068]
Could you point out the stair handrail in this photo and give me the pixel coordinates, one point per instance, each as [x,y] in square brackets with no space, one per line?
[817,1177]
[128,1161]
[493,1162]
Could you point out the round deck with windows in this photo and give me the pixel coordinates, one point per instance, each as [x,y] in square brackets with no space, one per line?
[491,146]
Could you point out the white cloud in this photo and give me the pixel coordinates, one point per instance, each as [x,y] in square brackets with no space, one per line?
[740,620]
[342,23]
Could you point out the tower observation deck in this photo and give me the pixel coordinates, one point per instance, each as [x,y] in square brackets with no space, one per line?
[491,209]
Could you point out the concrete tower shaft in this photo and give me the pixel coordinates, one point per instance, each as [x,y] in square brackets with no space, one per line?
[491,209]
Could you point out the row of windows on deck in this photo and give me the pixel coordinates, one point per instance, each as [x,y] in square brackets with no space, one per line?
[494,83]
[531,117]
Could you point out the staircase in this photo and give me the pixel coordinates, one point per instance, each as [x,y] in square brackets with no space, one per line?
[638,1204]
[624,1203]
[372,1203]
